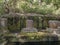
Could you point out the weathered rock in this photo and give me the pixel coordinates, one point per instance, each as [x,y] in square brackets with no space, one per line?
[53,24]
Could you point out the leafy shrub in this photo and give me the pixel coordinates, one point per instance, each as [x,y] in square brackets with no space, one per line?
[57,12]
[34,36]
[42,9]
[39,36]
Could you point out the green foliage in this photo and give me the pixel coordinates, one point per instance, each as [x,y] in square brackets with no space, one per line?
[43,9]
[30,1]
[57,12]
[30,6]
[56,3]
[46,7]
[47,1]
[1,7]
[35,36]
[16,24]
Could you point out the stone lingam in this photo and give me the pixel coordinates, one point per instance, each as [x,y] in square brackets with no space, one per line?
[29,27]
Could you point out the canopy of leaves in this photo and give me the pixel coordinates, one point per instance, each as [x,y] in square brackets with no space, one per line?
[30,6]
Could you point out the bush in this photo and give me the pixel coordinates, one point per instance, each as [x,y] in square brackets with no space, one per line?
[39,36]
[34,36]
[57,12]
